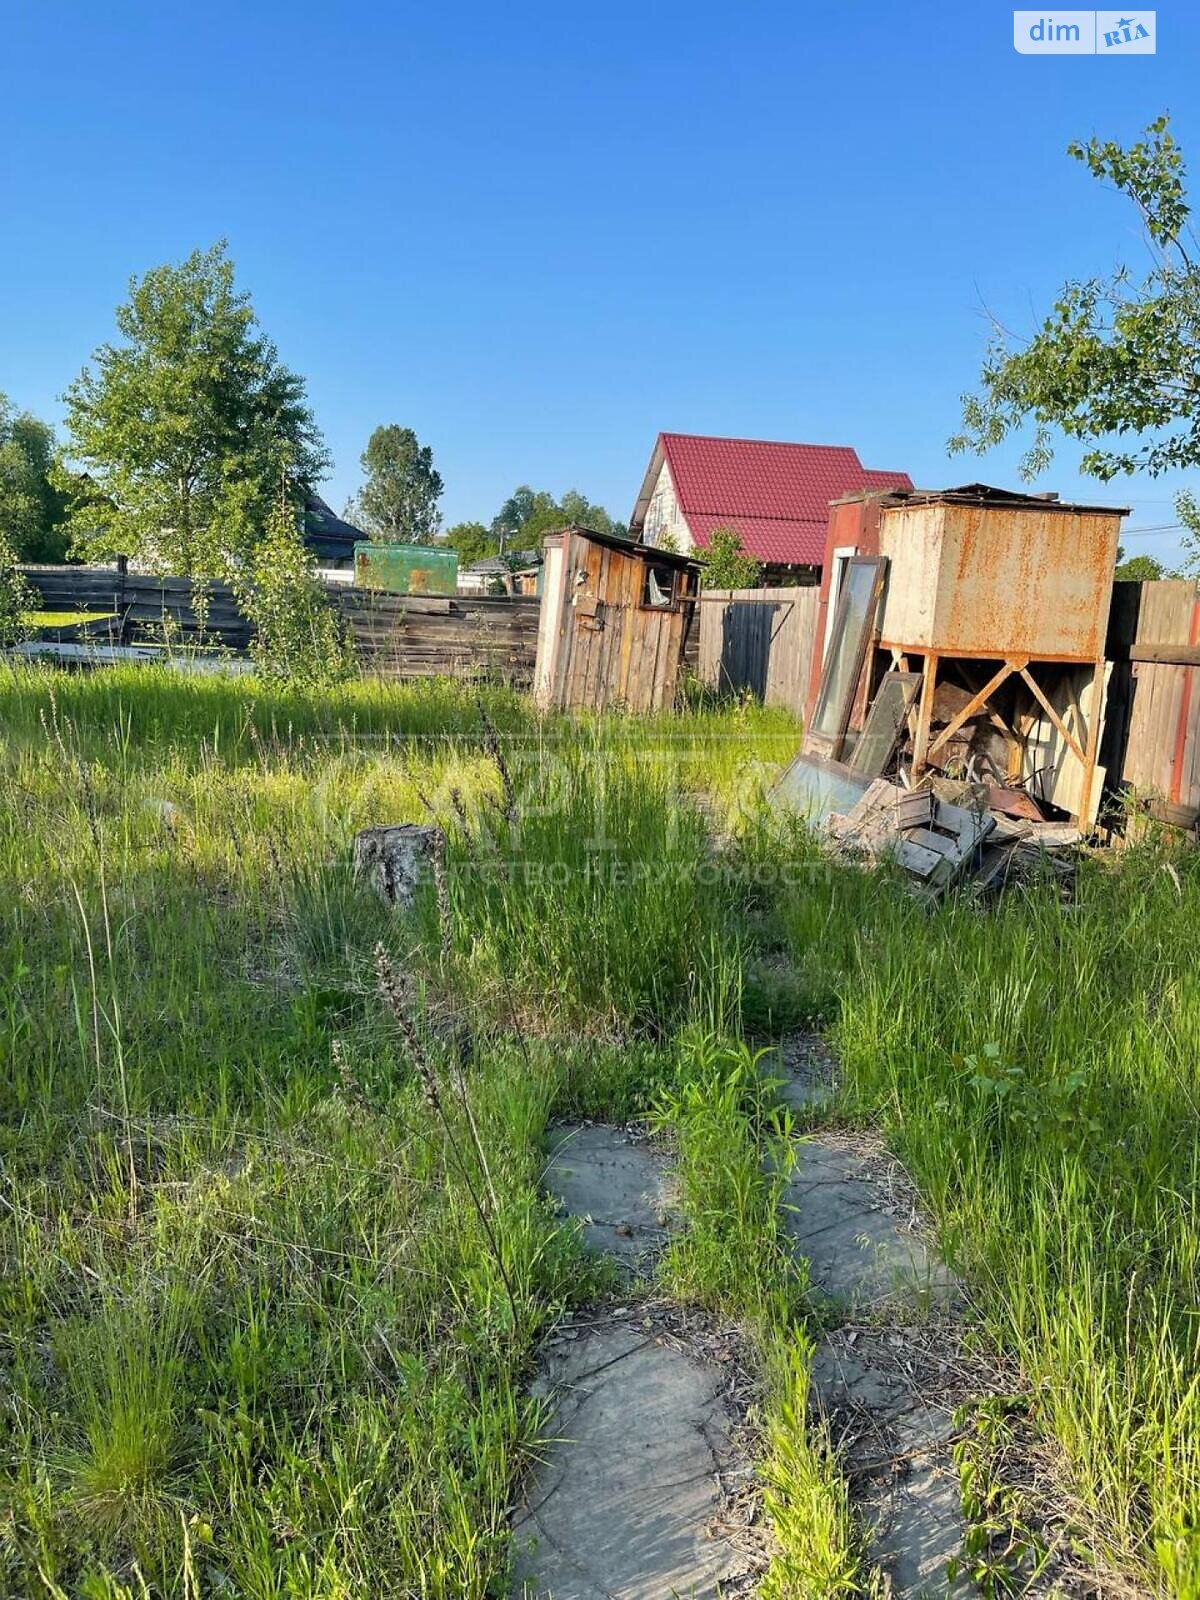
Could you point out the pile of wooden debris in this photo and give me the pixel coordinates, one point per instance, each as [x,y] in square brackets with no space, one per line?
[947,832]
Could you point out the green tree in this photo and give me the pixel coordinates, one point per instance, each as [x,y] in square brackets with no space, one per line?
[1138,569]
[1116,363]
[528,514]
[398,502]
[31,508]
[297,637]
[187,429]
[472,541]
[724,563]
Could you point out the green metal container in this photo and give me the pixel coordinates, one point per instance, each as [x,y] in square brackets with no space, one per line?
[406,568]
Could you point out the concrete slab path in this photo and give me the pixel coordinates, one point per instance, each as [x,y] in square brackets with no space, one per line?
[619,1507]
[618,1184]
[625,1501]
[863,1251]
[886,1380]
[889,1400]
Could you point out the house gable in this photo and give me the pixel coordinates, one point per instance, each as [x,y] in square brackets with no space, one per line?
[774,495]
[664,521]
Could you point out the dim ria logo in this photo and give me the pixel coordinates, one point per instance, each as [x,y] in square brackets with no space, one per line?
[1084,33]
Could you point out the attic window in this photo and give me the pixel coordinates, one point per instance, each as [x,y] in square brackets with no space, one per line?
[658,587]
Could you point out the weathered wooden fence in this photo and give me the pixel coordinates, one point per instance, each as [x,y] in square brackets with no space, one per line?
[410,636]
[396,636]
[1151,739]
[758,641]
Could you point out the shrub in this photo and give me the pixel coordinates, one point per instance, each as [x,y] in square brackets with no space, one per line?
[17,597]
[297,638]
[725,562]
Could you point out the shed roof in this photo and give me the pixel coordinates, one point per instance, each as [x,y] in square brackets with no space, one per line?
[326,534]
[987,494]
[514,561]
[614,541]
[774,494]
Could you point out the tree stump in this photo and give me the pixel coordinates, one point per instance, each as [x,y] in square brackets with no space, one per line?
[397,860]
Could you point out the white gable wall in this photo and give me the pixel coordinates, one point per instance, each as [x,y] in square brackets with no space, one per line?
[663,515]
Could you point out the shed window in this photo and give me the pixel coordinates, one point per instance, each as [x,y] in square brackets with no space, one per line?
[658,587]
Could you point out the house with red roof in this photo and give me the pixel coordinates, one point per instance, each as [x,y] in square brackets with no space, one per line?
[776,496]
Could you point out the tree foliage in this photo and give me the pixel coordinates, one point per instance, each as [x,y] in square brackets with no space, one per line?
[1138,569]
[188,428]
[725,564]
[31,508]
[398,502]
[17,597]
[473,541]
[297,637]
[528,514]
[1116,363]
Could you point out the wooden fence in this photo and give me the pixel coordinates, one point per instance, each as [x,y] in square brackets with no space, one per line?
[410,636]
[394,636]
[758,641]
[138,608]
[1151,740]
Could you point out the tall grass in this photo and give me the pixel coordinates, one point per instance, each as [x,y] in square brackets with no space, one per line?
[734,1156]
[1037,1064]
[254,1335]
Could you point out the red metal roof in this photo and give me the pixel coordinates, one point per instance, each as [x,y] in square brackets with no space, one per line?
[775,495]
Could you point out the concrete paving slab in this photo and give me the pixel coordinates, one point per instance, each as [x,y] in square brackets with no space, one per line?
[865,1390]
[808,1070]
[620,1186]
[918,1529]
[861,1253]
[888,1403]
[618,1507]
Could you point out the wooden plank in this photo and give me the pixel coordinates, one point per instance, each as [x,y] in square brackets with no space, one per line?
[1043,700]
[940,843]
[1176,655]
[976,702]
[922,862]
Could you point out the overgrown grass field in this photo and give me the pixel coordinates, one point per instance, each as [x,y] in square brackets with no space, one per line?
[273,1258]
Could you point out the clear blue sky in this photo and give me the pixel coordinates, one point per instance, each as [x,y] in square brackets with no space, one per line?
[540,233]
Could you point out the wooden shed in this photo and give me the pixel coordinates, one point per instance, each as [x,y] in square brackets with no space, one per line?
[614,619]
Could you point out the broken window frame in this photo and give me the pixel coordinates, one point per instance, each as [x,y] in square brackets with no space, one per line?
[908,684]
[672,602]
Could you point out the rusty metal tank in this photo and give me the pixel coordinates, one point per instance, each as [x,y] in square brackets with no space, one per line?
[983,572]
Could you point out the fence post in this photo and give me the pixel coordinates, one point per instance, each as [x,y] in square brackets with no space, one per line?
[119,602]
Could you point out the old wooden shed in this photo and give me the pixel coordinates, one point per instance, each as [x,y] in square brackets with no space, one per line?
[614,619]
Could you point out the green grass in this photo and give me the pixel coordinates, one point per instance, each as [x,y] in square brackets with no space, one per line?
[268,1308]
[733,1258]
[1036,1065]
[65,619]
[267,1318]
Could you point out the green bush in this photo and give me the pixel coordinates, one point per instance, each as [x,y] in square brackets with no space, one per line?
[17,598]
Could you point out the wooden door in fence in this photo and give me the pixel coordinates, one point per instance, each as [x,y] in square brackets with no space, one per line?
[759,641]
[1152,718]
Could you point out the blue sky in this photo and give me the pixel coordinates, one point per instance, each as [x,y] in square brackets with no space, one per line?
[540,233]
